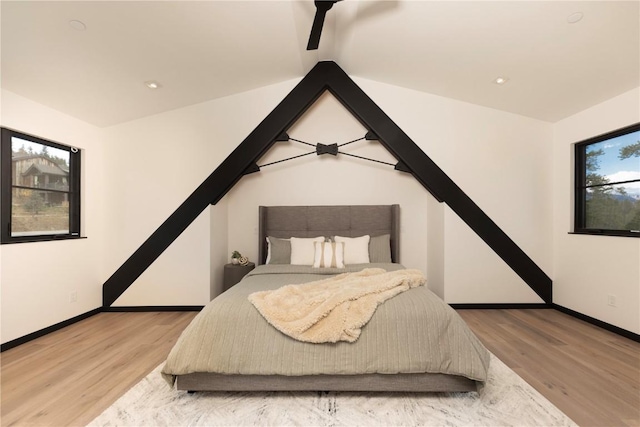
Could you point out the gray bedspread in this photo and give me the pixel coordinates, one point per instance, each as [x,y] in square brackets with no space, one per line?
[414,332]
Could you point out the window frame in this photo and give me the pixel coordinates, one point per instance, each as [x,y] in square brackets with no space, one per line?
[580,186]
[6,189]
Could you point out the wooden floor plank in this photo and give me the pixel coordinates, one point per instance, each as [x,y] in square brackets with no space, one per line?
[591,374]
[70,376]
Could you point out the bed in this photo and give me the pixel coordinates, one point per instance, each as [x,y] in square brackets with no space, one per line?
[414,342]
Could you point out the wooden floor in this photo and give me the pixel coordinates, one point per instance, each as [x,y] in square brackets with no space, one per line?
[69,377]
[591,374]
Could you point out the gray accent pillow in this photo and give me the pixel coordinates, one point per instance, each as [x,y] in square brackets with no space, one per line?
[279,251]
[380,248]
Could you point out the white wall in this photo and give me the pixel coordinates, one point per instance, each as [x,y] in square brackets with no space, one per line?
[153,165]
[156,162]
[136,174]
[219,246]
[500,160]
[435,247]
[37,278]
[589,268]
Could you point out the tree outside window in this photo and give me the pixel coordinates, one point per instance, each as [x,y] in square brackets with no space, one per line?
[608,183]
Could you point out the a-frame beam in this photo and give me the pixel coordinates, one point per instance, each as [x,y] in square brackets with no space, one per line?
[325,75]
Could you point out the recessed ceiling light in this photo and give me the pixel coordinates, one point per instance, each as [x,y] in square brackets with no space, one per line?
[501,80]
[77,25]
[152,84]
[575,17]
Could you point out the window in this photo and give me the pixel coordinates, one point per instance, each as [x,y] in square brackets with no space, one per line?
[40,189]
[608,183]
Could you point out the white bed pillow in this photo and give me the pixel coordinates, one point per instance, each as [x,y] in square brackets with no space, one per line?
[356,249]
[329,255]
[303,250]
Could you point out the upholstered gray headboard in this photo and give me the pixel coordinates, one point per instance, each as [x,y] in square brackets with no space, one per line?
[312,221]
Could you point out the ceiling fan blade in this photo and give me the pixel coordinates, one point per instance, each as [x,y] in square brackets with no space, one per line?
[322,6]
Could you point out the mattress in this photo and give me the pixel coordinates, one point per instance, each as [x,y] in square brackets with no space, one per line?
[412,335]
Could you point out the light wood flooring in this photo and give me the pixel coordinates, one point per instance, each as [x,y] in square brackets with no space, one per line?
[70,376]
[591,374]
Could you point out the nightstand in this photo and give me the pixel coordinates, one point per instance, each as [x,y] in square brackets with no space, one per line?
[233,273]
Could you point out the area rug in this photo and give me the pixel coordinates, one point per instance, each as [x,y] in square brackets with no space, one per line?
[505,400]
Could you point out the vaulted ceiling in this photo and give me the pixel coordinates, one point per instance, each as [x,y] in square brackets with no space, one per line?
[204,50]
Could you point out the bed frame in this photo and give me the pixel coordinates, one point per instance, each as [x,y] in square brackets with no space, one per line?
[312,221]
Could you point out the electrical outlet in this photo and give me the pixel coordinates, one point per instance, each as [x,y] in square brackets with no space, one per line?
[611,300]
[73,297]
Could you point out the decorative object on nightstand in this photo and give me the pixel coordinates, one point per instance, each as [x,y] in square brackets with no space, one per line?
[233,273]
[235,257]
[244,260]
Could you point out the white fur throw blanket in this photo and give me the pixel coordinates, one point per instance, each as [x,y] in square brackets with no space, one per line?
[333,309]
